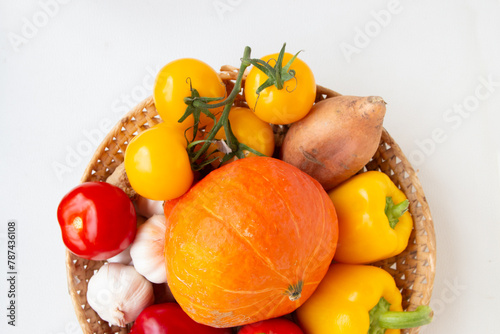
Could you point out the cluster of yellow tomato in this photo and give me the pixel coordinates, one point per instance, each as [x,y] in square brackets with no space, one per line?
[156,161]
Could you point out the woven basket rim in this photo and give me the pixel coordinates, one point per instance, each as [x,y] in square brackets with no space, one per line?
[428,230]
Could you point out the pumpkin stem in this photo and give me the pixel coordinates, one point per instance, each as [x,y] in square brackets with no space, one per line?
[294,291]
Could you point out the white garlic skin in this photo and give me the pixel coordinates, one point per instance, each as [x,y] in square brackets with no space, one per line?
[147,249]
[123,257]
[118,293]
[147,207]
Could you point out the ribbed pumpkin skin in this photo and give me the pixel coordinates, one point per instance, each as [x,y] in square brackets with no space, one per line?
[244,235]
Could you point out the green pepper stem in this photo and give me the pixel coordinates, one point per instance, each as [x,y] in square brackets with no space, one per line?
[394,211]
[399,320]
[382,319]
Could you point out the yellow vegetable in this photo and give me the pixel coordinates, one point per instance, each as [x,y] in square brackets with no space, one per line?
[373,220]
[358,299]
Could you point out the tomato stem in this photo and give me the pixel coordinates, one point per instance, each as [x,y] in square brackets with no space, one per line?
[199,103]
[223,121]
[278,75]
[278,67]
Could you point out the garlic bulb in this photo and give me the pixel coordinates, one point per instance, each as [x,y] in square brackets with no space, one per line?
[147,249]
[147,207]
[118,293]
[123,257]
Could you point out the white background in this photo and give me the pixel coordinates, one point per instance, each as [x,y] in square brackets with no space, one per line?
[70,69]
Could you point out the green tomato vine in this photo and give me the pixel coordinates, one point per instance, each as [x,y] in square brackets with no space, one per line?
[197,105]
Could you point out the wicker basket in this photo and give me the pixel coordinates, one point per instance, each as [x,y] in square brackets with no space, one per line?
[413,269]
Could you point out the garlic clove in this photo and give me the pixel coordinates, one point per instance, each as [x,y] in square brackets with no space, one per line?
[118,293]
[147,249]
[123,257]
[117,317]
[147,207]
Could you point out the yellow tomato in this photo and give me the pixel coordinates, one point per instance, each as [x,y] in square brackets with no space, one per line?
[173,84]
[249,130]
[157,163]
[281,106]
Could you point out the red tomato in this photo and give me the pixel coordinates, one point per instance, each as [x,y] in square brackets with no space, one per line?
[169,318]
[97,220]
[272,326]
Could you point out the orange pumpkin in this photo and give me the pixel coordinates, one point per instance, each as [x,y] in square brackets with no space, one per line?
[250,241]
[169,205]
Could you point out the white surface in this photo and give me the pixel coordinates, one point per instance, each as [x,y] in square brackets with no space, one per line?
[90,61]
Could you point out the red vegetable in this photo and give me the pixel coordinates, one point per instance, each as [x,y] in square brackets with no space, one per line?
[169,318]
[272,326]
[97,220]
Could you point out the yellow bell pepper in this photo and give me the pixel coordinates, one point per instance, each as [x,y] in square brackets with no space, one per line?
[373,220]
[358,299]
